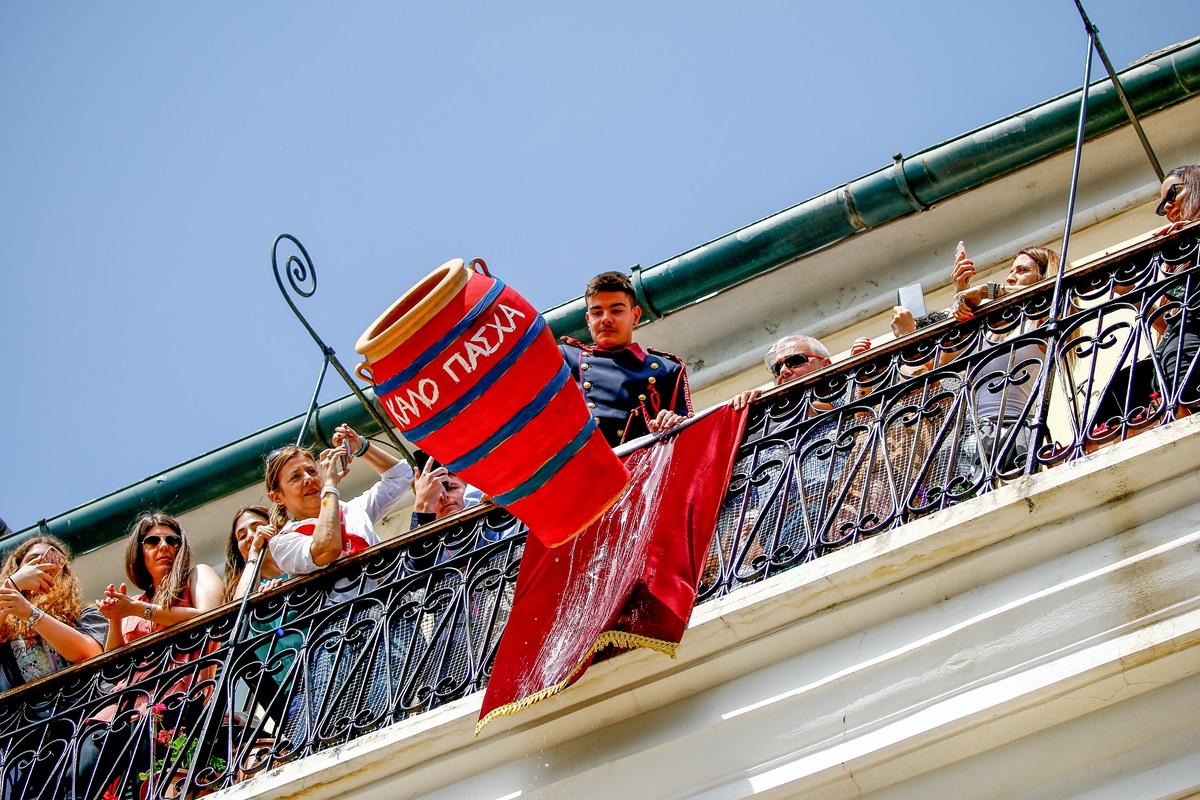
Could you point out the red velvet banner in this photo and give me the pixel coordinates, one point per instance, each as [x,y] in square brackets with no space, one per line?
[629,580]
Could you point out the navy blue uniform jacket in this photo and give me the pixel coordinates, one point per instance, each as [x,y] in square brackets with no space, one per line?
[625,387]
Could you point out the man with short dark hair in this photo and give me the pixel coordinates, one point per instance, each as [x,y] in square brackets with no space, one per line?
[438,492]
[630,390]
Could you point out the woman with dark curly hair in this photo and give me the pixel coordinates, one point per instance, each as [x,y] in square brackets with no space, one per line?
[43,625]
[158,560]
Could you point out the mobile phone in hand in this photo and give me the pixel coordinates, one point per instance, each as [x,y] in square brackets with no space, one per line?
[54,557]
[912,298]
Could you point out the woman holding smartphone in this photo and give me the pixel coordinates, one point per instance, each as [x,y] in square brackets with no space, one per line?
[311,526]
[44,627]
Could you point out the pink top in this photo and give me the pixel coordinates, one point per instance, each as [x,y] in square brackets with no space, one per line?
[134,628]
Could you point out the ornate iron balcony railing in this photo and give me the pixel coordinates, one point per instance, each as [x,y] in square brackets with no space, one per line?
[858,449]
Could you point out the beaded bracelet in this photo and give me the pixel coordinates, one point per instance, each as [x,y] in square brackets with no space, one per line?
[365,445]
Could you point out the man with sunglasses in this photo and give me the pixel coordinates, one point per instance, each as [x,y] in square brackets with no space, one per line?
[794,357]
[630,390]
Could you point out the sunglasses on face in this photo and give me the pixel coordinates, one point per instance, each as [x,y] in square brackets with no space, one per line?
[153,540]
[1172,194]
[791,362]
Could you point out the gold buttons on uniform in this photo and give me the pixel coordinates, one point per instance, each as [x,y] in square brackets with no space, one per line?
[620,433]
[583,365]
[587,384]
[642,397]
[653,365]
[591,405]
[651,379]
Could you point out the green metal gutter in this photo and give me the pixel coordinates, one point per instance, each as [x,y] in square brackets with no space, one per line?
[194,483]
[903,188]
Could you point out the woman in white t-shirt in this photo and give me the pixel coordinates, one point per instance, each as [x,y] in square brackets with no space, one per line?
[315,525]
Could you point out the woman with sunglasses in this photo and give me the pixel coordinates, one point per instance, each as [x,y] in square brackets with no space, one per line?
[44,626]
[1179,198]
[1180,204]
[158,560]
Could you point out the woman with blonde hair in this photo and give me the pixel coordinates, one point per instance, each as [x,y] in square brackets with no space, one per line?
[311,526]
[44,627]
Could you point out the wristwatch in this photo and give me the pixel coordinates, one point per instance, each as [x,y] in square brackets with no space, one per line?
[35,616]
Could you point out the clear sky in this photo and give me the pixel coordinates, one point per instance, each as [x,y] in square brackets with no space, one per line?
[152,152]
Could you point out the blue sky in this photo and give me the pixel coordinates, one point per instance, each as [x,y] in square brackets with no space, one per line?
[152,152]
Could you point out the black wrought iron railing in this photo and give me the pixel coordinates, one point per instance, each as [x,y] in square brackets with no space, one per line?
[933,420]
[899,432]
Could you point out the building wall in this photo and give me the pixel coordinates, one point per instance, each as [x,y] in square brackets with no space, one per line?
[1039,641]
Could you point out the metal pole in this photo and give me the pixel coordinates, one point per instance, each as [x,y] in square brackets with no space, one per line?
[1094,32]
[223,688]
[1083,106]
[1052,338]
[312,404]
[303,270]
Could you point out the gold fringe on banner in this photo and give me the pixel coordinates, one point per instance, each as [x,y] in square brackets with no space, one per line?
[621,639]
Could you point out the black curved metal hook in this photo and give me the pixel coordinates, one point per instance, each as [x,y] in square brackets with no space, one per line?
[299,272]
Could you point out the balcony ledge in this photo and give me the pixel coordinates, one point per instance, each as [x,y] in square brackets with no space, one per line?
[738,665]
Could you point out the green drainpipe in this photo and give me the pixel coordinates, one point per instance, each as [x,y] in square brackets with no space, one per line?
[193,483]
[905,187]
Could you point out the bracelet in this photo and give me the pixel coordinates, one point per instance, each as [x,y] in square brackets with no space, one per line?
[251,560]
[331,490]
[365,446]
[35,616]
[148,611]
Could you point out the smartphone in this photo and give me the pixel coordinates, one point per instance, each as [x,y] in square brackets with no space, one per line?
[54,557]
[960,250]
[912,298]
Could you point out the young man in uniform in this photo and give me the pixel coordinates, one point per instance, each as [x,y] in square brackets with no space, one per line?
[630,390]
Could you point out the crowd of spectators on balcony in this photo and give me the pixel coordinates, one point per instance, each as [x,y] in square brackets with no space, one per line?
[632,391]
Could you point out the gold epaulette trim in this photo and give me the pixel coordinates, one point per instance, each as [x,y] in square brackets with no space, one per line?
[622,639]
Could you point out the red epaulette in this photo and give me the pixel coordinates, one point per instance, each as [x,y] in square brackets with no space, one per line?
[663,353]
[576,343]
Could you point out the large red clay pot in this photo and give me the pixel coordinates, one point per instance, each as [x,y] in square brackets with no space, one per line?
[470,372]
